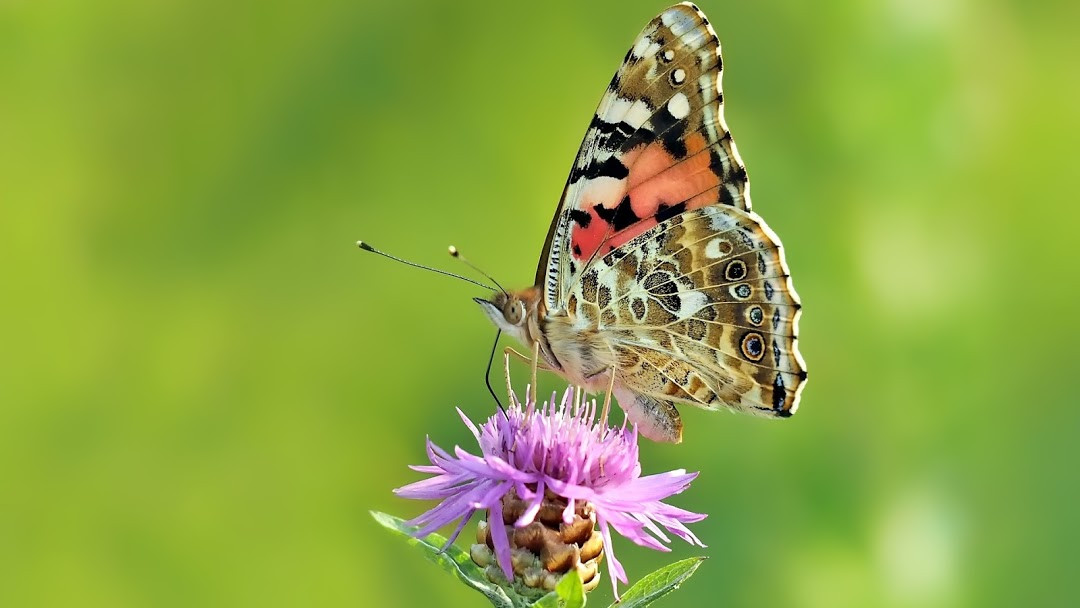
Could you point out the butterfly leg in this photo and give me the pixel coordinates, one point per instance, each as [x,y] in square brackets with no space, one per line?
[526,359]
[506,374]
[533,361]
[535,364]
[607,398]
[607,409]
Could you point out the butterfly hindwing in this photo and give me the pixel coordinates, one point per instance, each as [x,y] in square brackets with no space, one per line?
[700,310]
[657,146]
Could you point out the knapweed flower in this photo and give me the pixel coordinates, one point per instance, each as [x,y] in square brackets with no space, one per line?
[543,475]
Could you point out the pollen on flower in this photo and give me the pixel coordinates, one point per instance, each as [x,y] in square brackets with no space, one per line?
[554,482]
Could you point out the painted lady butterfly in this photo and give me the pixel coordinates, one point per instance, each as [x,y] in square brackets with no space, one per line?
[656,278]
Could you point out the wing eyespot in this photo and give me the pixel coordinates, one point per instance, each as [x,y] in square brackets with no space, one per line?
[753,346]
[755,316]
[735,270]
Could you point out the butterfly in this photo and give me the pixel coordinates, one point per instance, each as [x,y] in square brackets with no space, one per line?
[656,279]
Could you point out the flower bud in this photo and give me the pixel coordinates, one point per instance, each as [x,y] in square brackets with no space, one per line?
[546,549]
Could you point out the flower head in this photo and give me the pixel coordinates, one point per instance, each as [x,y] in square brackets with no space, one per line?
[559,450]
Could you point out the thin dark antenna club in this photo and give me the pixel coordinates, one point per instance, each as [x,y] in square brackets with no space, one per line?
[366,247]
[457,254]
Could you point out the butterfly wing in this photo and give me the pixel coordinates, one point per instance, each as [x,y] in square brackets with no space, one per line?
[655,247]
[657,146]
[698,309]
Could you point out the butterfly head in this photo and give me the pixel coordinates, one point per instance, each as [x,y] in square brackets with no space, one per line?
[510,311]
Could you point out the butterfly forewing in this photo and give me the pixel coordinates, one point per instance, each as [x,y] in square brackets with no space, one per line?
[657,146]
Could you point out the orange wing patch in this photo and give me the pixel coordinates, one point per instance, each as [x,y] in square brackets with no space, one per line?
[658,186]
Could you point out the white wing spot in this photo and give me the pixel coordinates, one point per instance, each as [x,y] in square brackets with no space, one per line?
[719,220]
[679,106]
[712,249]
[733,192]
[708,91]
[638,114]
[677,22]
[616,110]
[669,55]
[690,302]
[678,76]
[642,44]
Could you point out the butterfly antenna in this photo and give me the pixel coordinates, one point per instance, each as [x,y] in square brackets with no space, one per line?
[366,247]
[457,254]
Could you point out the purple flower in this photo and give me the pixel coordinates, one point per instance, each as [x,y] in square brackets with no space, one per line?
[562,449]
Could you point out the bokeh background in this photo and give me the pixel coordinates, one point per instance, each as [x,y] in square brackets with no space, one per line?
[204,386]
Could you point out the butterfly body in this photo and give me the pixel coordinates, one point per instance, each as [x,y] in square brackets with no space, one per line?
[655,268]
[568,344]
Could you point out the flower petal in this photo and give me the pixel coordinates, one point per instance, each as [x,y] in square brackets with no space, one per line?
[500,541]
[560,447]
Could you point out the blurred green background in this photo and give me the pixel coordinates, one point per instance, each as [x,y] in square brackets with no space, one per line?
[205,386]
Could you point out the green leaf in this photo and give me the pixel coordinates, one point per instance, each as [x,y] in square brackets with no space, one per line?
[571,591]
[659,583]
[567,594]
[453,560]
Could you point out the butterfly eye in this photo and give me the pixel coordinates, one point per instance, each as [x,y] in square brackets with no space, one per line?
[514,312]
